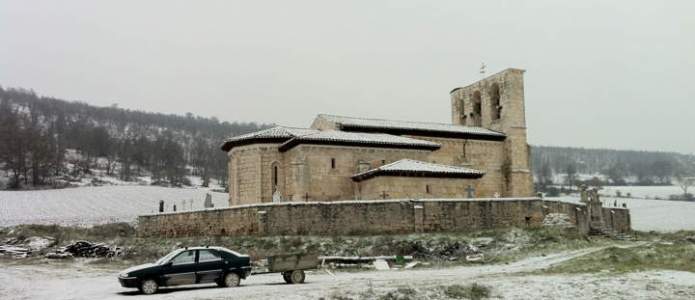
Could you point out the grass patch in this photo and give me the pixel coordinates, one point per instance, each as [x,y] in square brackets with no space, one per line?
[678,256]
[472,291]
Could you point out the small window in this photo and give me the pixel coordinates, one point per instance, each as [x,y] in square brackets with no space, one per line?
[208,255]
[332,163]
[275,175]
[427,188]
[383,162]
[187,257]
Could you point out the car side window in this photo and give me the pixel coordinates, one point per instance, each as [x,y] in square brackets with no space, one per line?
[186,257]
[208,255]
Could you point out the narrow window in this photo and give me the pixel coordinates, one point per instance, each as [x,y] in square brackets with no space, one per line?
[275,175]
[427,188]
[332,163]
[495,107]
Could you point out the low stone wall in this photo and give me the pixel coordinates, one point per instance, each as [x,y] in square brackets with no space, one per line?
[372,217]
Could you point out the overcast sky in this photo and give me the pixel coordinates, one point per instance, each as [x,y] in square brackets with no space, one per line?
[599,74]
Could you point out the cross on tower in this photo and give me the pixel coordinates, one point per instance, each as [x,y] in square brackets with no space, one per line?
[384,195]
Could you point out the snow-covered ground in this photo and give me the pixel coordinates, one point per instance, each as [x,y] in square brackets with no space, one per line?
[97,205]
[507,281]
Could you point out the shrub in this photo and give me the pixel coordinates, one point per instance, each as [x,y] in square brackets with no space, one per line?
[472,291]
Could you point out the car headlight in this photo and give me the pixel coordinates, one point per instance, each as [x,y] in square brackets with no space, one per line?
[123,275]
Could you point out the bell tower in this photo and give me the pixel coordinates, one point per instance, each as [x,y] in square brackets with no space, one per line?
[497,103]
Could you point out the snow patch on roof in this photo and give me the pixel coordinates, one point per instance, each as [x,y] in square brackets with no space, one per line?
[409,125]
[275,132]
[361,138]
[415,166]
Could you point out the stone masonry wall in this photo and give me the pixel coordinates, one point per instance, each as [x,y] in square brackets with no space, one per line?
[396,187]
[306,170]
[497,102]
[327,183]
[370,217]
[486,156]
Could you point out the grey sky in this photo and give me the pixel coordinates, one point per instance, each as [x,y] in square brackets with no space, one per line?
[616,74]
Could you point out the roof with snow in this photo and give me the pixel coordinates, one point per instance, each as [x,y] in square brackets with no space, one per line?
[413,128]
[334,137]
[278,134]
[290,137]
[415,168]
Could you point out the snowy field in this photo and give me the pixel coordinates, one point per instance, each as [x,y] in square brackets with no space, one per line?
[97,205]
[652,215]
[643,192]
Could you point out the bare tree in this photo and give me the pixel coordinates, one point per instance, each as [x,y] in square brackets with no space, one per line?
[571,171]
[685,182]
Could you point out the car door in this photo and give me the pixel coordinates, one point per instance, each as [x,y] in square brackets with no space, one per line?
[209,265]
[181,269]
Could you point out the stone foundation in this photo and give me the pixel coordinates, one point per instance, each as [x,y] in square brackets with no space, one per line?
[372,217]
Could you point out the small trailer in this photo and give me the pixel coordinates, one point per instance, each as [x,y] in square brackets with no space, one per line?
[290,266]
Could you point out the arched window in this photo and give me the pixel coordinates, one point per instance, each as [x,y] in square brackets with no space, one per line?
[495,107]
[462,112]
[477,109]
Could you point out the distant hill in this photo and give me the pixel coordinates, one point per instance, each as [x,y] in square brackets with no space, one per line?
[48,142]
[617,167]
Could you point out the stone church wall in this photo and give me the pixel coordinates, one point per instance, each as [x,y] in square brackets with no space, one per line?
[371,217]
[486,156]
[323,173]
[396,187]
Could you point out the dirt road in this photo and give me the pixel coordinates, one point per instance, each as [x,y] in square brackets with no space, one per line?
[46,282]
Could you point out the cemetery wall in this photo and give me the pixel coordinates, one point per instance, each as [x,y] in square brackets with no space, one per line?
[372,217]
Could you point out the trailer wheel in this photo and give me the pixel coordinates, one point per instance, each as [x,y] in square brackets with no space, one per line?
[297,276]
[286,277]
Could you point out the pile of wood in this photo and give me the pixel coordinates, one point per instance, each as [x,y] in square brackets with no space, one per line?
[86,249]
[14,251]
[20,247]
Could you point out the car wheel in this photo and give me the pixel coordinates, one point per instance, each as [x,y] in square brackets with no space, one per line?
[232,280]
[297,276]
[149,287]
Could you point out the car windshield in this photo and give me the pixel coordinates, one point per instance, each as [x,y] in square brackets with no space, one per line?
[167,257]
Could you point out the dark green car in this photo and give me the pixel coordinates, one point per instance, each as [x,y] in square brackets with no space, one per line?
[189,266]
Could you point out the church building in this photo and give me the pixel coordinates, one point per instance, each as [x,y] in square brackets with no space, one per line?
[482,153]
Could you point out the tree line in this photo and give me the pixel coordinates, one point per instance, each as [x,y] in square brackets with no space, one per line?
[562,166]
[46,141]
